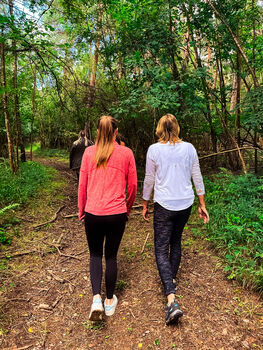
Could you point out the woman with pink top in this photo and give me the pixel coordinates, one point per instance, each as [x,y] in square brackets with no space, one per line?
[106,169]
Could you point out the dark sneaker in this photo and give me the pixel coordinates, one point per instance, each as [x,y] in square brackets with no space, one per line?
[173,312]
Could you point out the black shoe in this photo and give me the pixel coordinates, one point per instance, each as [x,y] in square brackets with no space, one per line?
[173,312]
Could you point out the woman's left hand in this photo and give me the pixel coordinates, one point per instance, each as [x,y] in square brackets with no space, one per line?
[145,211]
[203,214]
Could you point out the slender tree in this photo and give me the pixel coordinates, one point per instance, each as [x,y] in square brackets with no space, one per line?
[12,162]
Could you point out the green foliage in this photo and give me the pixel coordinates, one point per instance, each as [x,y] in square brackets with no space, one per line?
[4,237]
[52,153]
[252,109]
[235,205]
[155,56]
[19,188]
[121,285]
[94,326]
[11,206]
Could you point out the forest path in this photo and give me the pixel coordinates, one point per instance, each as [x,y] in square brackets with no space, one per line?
[48,306]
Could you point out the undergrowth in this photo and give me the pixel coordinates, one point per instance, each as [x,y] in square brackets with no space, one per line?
[16,190]
[235,205]
[19,188]
[50,152]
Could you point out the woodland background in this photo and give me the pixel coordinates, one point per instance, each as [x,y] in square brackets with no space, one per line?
[64,63]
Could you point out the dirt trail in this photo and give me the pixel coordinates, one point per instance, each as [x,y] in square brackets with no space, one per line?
[49,304]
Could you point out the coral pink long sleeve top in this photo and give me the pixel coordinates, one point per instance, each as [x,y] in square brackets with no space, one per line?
[102,190]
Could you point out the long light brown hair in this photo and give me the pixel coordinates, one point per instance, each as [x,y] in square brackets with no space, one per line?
[104,141]
[168,129]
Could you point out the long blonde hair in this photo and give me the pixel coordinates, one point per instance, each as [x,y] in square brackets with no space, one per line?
[104,141]
[168,129]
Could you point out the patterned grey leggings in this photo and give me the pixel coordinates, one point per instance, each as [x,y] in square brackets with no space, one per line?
[168,228]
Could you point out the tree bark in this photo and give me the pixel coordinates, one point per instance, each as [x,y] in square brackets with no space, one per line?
[233,100]
[19,136]
[254,70]
[12,163]
[95,61]
[20,141]
[175,71]
[238,85]
[33,112]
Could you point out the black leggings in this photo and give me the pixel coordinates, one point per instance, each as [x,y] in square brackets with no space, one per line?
[97,228]
[168,228]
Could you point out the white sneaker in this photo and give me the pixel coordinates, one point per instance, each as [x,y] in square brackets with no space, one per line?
[110,309]
[96,310]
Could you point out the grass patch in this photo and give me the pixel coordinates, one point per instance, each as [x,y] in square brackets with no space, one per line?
[17,189]
[49,152]
[235,205]
[122,285]
[31,185]
[95,326]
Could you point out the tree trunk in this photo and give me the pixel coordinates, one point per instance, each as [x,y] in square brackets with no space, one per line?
[186,49]
[175,71]
[233,100]
[254,70]
[33,112]
[120,67]
[95,61]
[238,112]
[13,166]
[207,113]
[19,137]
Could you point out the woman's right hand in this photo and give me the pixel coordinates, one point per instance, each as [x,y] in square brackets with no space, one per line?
[203,214]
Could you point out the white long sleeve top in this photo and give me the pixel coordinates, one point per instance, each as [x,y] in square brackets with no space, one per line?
[169,169]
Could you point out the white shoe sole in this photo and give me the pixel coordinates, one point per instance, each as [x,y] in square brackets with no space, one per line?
[96,315]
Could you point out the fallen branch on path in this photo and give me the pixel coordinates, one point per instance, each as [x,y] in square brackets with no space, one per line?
[56,302]
[54,218]
[19,299]
[70,216]
[18,254]
[15,255]
[132,313]
[47,307]
[143,247]
[60,238]
[22,348]
[82,252]
[68,256]
[56,278]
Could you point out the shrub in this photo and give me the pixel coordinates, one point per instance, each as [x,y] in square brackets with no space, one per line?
[235,205]
[19,188]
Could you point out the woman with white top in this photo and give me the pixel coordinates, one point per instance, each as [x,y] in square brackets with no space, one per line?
[170,165]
